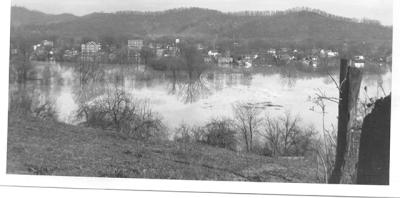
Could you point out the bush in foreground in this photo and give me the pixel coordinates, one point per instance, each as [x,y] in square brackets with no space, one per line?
[116,110]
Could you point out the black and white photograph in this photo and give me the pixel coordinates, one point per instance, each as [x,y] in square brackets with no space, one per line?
[274,92]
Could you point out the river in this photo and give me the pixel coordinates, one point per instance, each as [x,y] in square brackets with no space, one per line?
[195,99]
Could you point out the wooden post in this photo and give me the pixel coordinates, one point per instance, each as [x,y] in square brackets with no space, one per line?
[350,81]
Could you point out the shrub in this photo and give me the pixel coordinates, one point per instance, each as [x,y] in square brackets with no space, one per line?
[184,134]
[261,148]
[217,132]
[221,133]
[285,137]
[118,111]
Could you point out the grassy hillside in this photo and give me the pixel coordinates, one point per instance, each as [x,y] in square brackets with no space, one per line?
[50,148]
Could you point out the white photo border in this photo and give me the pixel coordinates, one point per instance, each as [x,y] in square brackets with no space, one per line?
[392,190]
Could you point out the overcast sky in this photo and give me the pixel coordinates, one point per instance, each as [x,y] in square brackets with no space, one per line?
[373,9]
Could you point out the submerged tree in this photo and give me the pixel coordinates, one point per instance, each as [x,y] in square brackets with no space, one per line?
[20,64]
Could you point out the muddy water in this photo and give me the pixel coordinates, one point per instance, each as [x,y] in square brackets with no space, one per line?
[196,98]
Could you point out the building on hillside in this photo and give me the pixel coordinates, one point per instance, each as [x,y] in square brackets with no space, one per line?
[314,61]
[171,51]
[41,52]
[332,54]
[358,61]
[248,60]
[90,48]
[224,61]
[208,59]
[44,50]
[70,55]
[160,52]
[323,53]
[359,58]
[213,53]
[134,48]
[90,51]
[359,64]
[311,61]
[36,47]
[47,43]
[271,51]
[135,44]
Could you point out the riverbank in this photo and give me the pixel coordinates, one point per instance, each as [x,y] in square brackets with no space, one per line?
[37,147]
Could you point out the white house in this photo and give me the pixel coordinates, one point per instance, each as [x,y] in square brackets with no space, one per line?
[48,43]
[271,51]
[135,44]
[213,53]
[90,48]
[359,61]
[359,58]
[332,54]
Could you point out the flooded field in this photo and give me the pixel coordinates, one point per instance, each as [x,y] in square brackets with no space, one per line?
[194,98]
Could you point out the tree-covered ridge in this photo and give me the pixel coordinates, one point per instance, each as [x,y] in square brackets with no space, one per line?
[299,26]
[21,16]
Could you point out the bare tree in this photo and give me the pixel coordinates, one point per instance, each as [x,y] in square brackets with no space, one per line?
[290,131]
[273,136]
[285,137]
[90,71]
[20,64]
[248,120]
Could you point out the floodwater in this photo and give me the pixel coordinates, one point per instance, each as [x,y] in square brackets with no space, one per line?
[196,98]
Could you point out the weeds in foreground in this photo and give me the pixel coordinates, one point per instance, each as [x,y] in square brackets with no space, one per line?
[40,170]
[117,172]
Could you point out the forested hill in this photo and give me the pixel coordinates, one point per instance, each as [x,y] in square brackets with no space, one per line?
[21,16]
[293,26]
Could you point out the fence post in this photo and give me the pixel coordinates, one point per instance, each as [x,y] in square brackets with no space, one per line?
[350,81]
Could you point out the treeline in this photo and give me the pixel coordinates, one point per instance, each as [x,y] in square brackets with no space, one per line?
[19,17]
[304,9]
[301,25]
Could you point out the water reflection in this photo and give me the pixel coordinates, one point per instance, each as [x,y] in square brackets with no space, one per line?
[190,96]
[84,93]
[218,80]
[289,77]
[33,99]
[189,87]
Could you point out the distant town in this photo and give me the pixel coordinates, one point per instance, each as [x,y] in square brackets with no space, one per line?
[138,51]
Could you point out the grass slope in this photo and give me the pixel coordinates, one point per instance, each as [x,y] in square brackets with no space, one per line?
[50,148]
